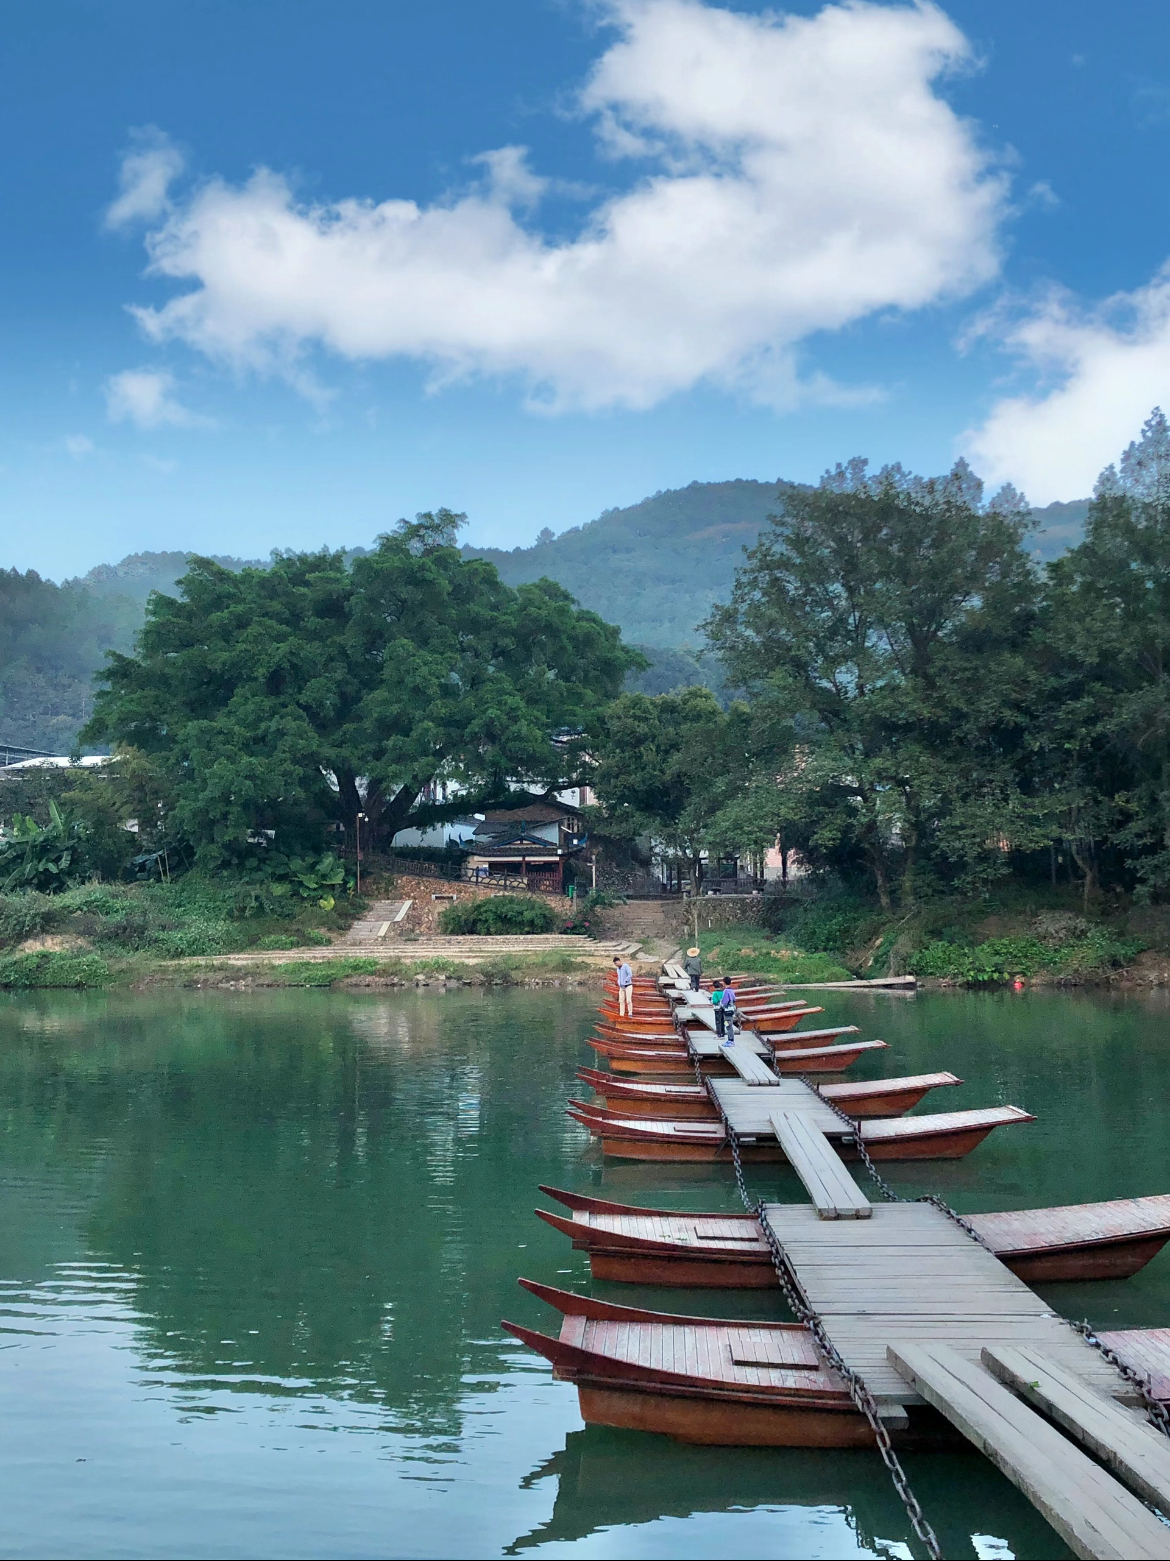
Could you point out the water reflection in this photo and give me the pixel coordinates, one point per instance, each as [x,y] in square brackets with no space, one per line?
[256,1247]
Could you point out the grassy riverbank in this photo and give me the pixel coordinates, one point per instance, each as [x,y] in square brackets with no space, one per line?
[1042,937]
[184,934]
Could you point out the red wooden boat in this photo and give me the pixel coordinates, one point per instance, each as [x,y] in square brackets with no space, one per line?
[727,1251]
[773,1022]
[1146,1350]
[678,1038]
[875,1098]
[715,1382]
[798,1058]
[945,1135]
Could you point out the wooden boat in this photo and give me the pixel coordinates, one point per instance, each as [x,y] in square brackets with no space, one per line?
[1146,1350]
[1110,1240]
[664,1061]
[728,1383]
[775,1022]
[727,1251]
[876,1098]
[945,1135]
[679,1038]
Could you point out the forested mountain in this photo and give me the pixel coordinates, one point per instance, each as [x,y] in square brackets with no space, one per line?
[655,568]
[53,638]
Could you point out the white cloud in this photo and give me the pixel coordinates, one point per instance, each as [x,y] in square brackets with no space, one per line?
[804,172]
[1105,369]
[145,178]
[143,396]
[79,446]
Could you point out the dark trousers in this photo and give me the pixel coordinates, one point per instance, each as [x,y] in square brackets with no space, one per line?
[725,1022]
[695,983]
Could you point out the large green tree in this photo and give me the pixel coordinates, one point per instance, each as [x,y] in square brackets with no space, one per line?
[1107,632]
[285,697]
[665,765]
[881,626]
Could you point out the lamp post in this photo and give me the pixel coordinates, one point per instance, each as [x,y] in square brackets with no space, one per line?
[357,825]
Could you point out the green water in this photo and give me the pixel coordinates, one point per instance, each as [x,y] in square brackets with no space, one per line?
[254,1251]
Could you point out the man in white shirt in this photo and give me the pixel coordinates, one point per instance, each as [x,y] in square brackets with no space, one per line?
[625,981]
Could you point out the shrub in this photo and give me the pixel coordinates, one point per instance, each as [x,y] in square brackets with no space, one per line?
[749,951]
[199,936]
[831,928]
[324,972]
[40,856]
[26,971]
[24,914]
[498,916]
[1002,959]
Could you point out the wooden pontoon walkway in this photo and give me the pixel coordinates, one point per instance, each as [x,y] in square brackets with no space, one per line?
[925,1314]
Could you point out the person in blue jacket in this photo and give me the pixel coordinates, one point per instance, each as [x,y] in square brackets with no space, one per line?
[723,998]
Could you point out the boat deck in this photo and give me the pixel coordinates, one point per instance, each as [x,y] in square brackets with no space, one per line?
[741,1355]
[1028,1230]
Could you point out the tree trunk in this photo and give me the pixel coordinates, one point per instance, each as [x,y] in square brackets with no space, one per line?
[882,881]
[394,812]
[1086,859]
[349,798]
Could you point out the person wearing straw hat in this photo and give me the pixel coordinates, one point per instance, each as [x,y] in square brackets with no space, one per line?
[693,965]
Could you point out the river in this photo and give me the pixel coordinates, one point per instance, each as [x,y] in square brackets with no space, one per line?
[255,1248]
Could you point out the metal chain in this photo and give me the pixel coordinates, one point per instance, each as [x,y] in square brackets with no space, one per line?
[883,1186]
[1156,1411]
[863,1399]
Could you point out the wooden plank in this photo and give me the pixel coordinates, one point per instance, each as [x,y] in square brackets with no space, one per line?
[834,1193]
[749,1067]
[1122,1439]
[1091,1511]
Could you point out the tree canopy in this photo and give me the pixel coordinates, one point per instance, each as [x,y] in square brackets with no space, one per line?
[880,627]
[288,697]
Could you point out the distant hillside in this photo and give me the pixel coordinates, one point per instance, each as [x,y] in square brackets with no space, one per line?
[1061,526]
[655,568]
[141,573]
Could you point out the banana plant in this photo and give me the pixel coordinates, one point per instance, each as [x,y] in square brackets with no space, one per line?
[38,856]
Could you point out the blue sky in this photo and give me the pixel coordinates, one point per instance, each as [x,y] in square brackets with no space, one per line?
[651,241]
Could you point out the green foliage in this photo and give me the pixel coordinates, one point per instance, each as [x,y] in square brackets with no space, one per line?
[23,971]
[498,915]
[833,927]
[881,627]
[324,972]
[413,664]
[293,940]
[39,856]
[1106,632]
[319,880]
[25,914]
[662,766]
[1004,959]
[751,950]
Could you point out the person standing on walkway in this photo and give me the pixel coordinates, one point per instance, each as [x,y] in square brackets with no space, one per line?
[625,981]
[726,1014]
[693,965]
